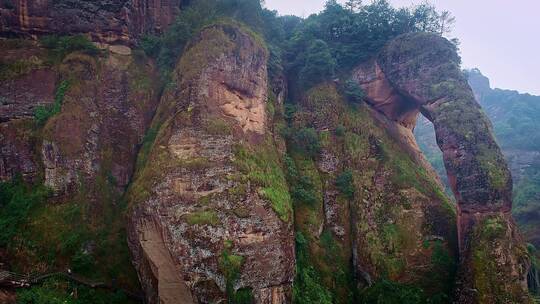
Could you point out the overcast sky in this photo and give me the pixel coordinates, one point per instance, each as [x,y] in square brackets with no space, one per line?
[500,37]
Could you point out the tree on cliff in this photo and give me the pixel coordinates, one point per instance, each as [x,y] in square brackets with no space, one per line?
[319,64]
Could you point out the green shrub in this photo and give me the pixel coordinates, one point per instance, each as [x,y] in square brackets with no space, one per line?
[344,183]
[306,140]
[151,45]
[16,201]
[340,130]
[493,228]
[43,113]
[262,167]
[388,292]
[230,265]
[17,68]
[319,64]
[54,291]
[61,46]
[302,188]
[353,92]
[82,262]
[307,287]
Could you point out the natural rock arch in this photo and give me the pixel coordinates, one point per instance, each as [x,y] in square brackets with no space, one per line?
[421,72]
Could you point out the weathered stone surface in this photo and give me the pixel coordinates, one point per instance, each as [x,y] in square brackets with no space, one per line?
[198,185]
[383,97]
[103,119]
[106,109]
[19,98]
[16,150]
[397,221]
[116,21]
[423,69]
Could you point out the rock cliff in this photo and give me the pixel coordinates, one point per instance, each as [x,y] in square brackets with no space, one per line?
[423,71]
[118,21]
[75,126]
[227,196]
[212,193]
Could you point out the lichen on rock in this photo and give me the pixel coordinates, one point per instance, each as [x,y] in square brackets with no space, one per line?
[213,181]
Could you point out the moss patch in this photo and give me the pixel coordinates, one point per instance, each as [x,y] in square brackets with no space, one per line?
[11,70]
[490,278]
[203,218]
[262,167]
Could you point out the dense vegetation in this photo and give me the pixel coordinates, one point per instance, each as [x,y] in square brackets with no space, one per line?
[321,48]
[318,49]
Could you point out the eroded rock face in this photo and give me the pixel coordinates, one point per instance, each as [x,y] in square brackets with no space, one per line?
[391,221]
[104,117]
[200,186]
[423,69]
[106,21]
[106,106]
[19,98]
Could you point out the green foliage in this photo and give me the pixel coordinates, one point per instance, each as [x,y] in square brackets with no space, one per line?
[263,169]
[16,201]
[493,228]
[203,218]
[10,70]
[388,292]
[352,35]
[344,183]
[319,65]
[444,271]
[168,47]
[340,130]
[58,292]
[40,236]
[302,187]
[60,46]
[198,14]
[306,140]
[486,269]
[151,45]
[353,92]
[307,287]
[43,113]
[230,265]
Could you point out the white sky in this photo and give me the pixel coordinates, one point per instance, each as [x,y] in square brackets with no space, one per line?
[500,37]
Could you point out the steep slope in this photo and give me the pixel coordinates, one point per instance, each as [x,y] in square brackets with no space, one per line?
[212,187]
[366,209]
[230,191]
[118,21]
[424,71]
[74,126]
[515,126]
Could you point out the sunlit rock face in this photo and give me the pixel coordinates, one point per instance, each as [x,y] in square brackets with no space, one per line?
[420,72]
[199,198]
[117,21]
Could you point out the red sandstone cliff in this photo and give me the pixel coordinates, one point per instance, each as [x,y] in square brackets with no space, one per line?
[118,21]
